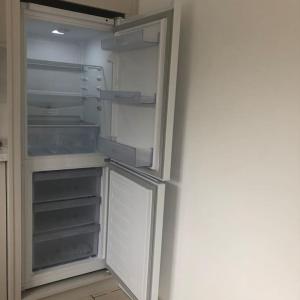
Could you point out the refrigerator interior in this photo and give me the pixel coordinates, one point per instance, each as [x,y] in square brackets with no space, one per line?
[93,91]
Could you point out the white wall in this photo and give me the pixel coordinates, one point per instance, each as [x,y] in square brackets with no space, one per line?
[232,229]
[2,22]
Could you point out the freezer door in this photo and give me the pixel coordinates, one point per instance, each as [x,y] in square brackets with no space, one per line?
[144,54]
[134,232]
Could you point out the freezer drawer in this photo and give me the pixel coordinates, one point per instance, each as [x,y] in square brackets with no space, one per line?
[67,174]
[58,205]
[65,246]
[58,215]
[64,185]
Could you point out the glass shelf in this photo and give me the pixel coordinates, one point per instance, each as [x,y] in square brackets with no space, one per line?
[126,97]
[129,41]
[56,65]
[57,121]
[137,157]
[50,99]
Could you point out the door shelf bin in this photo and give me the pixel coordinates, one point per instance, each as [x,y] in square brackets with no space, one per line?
[60,215]
[129,41]
[43,140]
[67,188]
[125,97]
[65,246]
[137,157]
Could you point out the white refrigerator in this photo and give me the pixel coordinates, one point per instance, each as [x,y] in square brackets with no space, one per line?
[99,97]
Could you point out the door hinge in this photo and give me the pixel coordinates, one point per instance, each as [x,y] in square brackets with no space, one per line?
[118,21]
[107,160]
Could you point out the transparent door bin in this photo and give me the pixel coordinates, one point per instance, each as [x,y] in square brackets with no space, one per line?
[126,97]
[136,157]
[129,41]
[65,246]
[57,139]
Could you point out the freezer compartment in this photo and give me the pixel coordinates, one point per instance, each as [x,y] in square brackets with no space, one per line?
[57,139]
[130,41]
[65,246]
[70,184]
[126,97]
[137,157]
[65,214]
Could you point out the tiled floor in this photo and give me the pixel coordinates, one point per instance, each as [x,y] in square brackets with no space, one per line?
[107,290]
[113,295]
[94,286]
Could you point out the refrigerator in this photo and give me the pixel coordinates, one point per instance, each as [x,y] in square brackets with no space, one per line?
[99,97]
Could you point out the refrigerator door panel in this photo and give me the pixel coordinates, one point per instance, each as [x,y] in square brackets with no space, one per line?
[134,232]
[142,99]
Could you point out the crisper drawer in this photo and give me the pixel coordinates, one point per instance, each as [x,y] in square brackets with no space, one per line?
[60,215]
[65,185]
[65,246]
[53,140]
